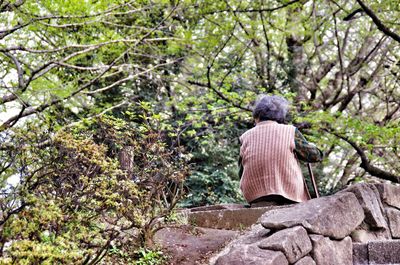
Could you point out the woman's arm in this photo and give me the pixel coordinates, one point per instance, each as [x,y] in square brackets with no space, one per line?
[306,151]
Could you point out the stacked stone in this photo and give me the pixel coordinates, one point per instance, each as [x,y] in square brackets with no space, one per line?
[321,231]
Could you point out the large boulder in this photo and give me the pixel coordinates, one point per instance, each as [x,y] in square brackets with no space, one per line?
[393,216]
[374,226]
[390,194]
[369,199]
[252,254]
[327,252]
[334,216]
[293,242]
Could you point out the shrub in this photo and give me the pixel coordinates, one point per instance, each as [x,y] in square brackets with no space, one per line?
[76,204]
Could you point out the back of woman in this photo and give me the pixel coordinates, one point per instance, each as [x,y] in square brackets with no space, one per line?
[270,169]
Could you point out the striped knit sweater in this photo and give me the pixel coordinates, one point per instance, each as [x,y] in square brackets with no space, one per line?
[269,164]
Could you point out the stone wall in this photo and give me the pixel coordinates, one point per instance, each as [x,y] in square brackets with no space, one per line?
[319,231]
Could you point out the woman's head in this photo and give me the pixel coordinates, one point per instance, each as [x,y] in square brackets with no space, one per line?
[271,108]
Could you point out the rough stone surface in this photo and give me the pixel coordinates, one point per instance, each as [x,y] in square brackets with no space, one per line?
[228,219]
[328,252]
[253,235]
[189,245]
[393,216]
[251,254]
[365,235]
[307,260]
[293,242]
[390,194]
[335,216]
[257,233]
[360,254]
[369,199]
[384,252]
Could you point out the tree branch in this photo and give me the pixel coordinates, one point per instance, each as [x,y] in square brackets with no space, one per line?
[378,22]
[272,9]
[365,163]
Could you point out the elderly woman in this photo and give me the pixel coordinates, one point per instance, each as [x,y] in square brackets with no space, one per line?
[270,172]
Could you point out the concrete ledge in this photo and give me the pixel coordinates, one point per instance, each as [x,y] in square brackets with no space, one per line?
[234,219]
[226,206]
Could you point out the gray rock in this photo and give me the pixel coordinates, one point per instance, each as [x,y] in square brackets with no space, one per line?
[307,260]
[384,252]
[393,216]
[360,254]
[390,194]
[257,233]
[369,198]
[328,252]
[251,254]
[293,242]
[335,216]
[363,236]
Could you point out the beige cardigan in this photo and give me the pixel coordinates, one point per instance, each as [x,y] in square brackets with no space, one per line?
[269,164]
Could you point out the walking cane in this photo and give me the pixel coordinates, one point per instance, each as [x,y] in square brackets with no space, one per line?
[314,184]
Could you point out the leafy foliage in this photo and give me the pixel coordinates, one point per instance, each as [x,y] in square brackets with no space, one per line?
[80,203]
[214,178]
[174,76]
[149,257]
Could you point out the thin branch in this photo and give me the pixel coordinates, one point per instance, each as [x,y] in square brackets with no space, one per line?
[365,163]
[272,9]
[378,22]
[131,77]
[48,66]
[80,46]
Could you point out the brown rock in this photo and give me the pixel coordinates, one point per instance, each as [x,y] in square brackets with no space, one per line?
[251,254]
[335,216]
[328,252]
[293,242]
[369,199]
[307,260]
[390,194]
[393,216]
[188,245]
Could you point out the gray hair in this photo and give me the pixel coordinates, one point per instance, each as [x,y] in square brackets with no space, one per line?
[271,108]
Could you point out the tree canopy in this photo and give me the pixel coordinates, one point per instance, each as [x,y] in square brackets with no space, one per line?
[107,104]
